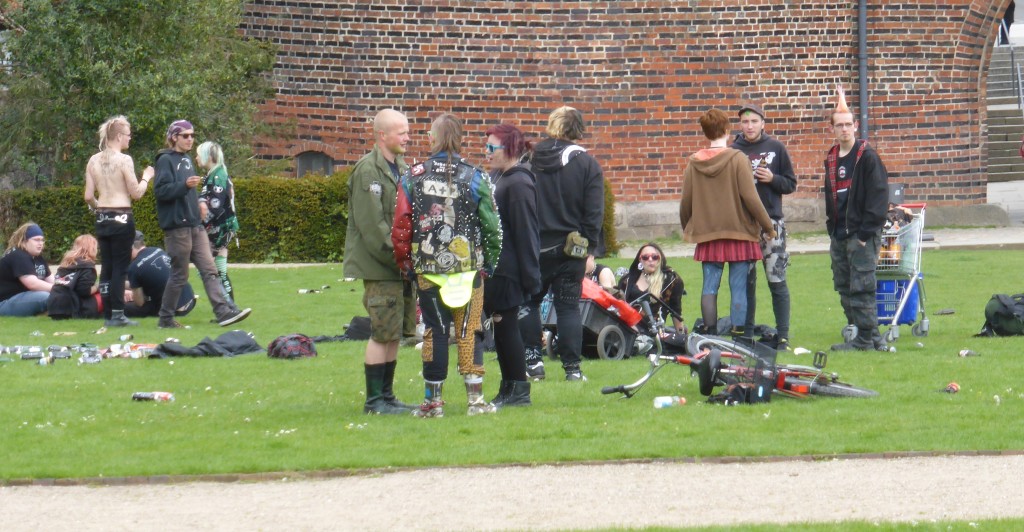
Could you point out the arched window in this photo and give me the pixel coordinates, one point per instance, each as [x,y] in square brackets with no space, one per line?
[316,162]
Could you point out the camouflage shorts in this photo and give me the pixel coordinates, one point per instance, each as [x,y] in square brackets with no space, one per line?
[390,305]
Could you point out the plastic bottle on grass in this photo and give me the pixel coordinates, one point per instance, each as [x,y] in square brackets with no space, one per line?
[668,401]
[160,397]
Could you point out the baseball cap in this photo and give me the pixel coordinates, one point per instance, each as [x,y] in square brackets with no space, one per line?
[752,107]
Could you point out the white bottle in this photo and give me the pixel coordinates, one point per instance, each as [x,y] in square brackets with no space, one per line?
[666,401]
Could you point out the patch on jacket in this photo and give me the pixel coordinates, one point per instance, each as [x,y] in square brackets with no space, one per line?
[376,189]
[418,169]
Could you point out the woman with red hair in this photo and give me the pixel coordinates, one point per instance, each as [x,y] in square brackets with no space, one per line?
[517,275]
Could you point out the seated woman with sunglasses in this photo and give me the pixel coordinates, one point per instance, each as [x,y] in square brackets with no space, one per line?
[650,273]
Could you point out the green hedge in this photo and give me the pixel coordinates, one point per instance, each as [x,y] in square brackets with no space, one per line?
[282,219]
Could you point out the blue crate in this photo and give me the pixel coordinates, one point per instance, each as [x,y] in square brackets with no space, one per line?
[889,294]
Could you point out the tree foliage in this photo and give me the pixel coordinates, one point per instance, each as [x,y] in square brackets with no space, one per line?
[76,63]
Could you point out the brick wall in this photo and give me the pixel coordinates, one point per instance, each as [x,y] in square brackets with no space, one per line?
[642,72]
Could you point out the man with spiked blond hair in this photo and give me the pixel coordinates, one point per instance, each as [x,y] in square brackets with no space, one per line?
[856,201]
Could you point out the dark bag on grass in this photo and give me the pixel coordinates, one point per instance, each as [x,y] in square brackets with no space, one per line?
[358,329]
[291,346]
[1004,316]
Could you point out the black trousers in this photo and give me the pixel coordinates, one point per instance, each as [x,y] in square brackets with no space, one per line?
[563,276]
[115,233]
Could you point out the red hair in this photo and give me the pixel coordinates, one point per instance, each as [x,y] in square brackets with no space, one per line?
[512,139]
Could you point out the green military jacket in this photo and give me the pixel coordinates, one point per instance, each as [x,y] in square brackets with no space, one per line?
[372,190]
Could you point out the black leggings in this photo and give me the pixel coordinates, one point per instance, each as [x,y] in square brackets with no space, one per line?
[509,345]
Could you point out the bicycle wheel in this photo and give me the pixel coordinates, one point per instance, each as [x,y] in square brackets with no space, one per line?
[840,389]
[695,343]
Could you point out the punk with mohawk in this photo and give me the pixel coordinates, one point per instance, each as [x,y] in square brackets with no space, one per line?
[856,201]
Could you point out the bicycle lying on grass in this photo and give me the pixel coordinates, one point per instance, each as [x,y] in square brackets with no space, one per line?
[748,369]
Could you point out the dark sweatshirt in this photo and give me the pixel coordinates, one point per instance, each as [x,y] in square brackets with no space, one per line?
[865,201]
[771,151]
[177,205]
[570,191]
[515,195]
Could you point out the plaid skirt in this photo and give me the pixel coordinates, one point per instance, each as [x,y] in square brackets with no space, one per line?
[726,250]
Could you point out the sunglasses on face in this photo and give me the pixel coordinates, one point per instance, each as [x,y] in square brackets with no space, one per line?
[186,135]
[652,256]
[491,148]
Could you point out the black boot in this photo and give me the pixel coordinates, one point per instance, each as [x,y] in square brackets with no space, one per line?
[117,319]
[388,391]
[375,402]
[518,394]
[503,389]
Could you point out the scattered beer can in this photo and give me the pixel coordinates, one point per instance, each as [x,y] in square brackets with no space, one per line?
[967,353]
[160,397]
[126,337]
[46,360]
[952,388]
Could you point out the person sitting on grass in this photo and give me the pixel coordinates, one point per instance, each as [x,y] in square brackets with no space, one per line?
[650,273]
[75,293]
[25,278]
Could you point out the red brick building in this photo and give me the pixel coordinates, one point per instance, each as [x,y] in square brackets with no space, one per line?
[642,72]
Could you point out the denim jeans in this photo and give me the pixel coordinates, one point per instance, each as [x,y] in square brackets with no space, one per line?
[738,272]
[25,304]
[190,244]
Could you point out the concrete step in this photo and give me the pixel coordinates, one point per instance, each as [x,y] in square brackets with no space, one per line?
[1011,139]
[1002,178]
[1006,164]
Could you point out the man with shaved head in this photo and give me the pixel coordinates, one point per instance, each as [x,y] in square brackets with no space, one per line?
[369,255]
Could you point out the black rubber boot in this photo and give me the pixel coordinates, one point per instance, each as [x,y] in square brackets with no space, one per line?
[388,390]
[518,394]
[375,403]
[503,389]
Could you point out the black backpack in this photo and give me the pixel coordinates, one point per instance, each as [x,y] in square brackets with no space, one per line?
[292,346]
[1004,316]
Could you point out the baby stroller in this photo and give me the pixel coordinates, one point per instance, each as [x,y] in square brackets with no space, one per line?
[612,328]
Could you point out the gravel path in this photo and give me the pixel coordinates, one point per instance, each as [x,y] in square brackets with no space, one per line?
[546,497]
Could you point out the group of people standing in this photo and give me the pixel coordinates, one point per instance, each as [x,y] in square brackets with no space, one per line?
[196,227]
[474,249]
[480,250]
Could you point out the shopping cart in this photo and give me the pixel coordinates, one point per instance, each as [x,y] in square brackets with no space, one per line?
[900,286]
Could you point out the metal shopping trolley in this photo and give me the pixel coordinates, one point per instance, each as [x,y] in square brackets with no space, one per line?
[900,286]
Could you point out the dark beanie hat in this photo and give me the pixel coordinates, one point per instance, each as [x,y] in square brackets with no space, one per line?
[33,231]
[752,107]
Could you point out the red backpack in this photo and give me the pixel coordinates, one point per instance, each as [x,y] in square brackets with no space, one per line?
[292,346]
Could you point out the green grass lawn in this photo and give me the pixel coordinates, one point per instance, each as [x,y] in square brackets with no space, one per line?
[252,414]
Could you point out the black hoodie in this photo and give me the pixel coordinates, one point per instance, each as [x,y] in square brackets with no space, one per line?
[570,192]
[771,151]
[177,205]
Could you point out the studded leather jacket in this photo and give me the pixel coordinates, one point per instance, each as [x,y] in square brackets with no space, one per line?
[445,219]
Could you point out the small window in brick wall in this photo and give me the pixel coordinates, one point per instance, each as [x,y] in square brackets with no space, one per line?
[316,162]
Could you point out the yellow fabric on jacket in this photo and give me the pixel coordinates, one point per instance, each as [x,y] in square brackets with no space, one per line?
[719,199]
